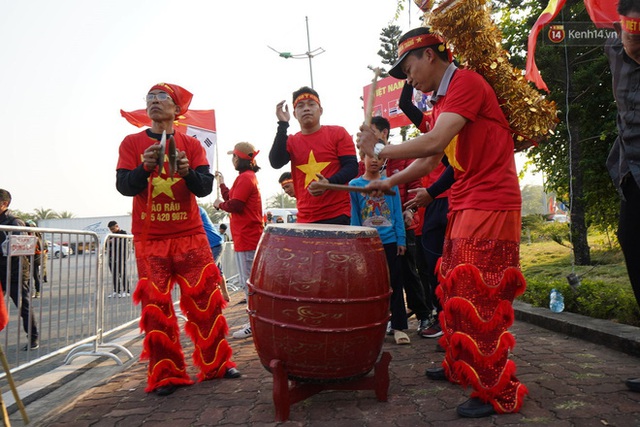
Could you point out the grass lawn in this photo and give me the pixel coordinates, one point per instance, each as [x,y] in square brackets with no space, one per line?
[604,292]
[548,260]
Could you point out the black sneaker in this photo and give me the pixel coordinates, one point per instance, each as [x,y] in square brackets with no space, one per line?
[633,384]
[33,346]
[425,324]
[165,390]
[436,374]
[232,373]
[475,408]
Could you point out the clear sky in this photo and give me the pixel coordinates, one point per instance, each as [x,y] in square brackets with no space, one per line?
[69,66]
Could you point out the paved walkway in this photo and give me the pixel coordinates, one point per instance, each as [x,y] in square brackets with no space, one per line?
[571,381]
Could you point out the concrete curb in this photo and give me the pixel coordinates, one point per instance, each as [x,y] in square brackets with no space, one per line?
[64,382]
[616,336]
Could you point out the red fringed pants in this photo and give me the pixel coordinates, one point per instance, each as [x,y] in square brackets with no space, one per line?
[188,262]
[479,275]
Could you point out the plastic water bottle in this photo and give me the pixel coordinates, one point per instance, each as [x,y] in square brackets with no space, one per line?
[556,301]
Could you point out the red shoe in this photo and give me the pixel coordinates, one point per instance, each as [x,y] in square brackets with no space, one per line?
[434,331]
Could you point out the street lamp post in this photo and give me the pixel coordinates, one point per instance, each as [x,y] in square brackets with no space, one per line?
[308,54]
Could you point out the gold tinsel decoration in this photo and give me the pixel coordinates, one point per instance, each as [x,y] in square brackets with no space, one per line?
[468,29]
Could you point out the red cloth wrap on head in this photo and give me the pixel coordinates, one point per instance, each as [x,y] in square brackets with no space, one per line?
[304,96]
[181,97]
[423,40]
[286,181]
[630,25]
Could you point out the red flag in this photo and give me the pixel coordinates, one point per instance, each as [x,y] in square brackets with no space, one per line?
[548,14]
[4,316]
[603,13]
[200,124]
[203,119]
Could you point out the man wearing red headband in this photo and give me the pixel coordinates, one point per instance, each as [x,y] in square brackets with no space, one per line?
[479,271]
[286,181]
[171,247]
[317,152]
[623,163]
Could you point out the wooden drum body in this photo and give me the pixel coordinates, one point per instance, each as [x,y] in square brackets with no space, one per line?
[319,300]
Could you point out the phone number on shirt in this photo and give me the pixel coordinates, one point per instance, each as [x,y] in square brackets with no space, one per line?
[166,216]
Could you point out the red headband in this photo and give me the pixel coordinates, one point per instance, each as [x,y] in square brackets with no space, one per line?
[304,96]
[245,156]
[422,40]
[630,25]
[286,181]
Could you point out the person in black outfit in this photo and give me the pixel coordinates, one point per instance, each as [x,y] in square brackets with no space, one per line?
[38,258]
[117,250]
[19,283]
[623,163]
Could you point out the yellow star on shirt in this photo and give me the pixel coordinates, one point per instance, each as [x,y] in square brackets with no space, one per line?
[312,168]
[163,186]
[450,150]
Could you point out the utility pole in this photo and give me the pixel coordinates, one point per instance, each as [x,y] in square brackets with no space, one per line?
[308,54]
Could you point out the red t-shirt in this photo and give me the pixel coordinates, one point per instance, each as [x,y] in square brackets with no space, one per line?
[246,226]
[174,210]
[318,153]
[485,169]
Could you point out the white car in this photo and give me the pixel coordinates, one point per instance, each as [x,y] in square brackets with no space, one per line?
[56,250]
[560,218]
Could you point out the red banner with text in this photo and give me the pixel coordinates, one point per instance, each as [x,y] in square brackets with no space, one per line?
[385,103]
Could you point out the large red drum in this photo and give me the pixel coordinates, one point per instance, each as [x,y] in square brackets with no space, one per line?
[319,300]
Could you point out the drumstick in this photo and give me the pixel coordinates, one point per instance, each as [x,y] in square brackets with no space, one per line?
[368,112]
[341,187]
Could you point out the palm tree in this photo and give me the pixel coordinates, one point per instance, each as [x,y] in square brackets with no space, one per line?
[66,214]
[43,213]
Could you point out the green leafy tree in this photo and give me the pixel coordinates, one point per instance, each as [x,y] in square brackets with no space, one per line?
[23,215]
[389,47]
[281,201]
[579,80]
[216,216]
[389,37]
[534,200]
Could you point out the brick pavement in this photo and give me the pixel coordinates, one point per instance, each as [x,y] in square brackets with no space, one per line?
[572,382]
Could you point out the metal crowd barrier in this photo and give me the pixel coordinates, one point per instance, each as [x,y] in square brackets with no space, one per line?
[118,275]
[85,296]
[229,267]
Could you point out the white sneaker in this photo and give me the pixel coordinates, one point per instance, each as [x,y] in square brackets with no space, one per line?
[124,294]
[244,332]
[113,295]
